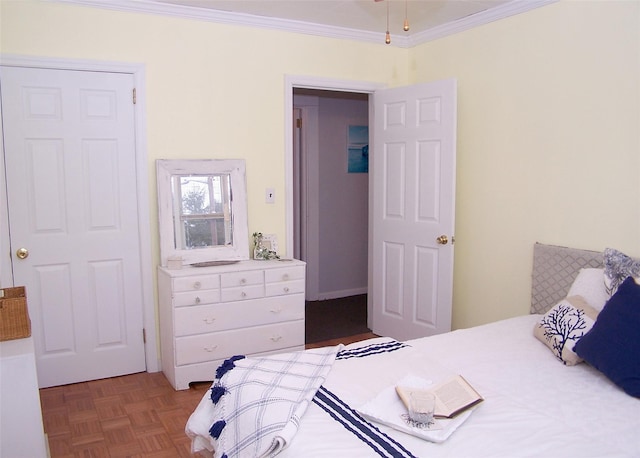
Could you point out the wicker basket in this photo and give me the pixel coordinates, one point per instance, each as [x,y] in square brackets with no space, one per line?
[14,316]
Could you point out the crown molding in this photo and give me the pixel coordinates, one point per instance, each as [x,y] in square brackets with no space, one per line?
[287,25]
[475,20]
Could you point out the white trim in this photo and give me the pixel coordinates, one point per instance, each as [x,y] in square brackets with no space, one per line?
[343,293]
[475,20]
[308,28]
[144,227]
[6,272]
[308,235]
[307,82]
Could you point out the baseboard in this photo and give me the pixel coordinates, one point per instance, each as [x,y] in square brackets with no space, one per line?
[344,293]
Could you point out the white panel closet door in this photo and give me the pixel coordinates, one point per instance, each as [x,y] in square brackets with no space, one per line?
[413,205]
[71,189]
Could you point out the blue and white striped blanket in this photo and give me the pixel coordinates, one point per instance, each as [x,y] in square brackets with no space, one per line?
[255,404]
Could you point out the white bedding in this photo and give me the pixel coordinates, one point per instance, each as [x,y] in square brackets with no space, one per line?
[534,405]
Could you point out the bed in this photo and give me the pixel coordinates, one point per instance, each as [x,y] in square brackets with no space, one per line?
[540,399]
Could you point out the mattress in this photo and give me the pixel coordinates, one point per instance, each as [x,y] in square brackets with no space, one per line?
[533,404]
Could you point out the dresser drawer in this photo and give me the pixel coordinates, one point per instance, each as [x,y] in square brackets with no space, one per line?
[196,282]
[243,293]
[207,296]
[226,316]
[284,288]
[235,279]
[222,345]
[284,274]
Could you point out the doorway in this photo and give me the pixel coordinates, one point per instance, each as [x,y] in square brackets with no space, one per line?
[401,266]
[330,136]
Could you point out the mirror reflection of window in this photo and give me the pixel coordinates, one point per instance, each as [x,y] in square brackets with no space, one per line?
[202,216]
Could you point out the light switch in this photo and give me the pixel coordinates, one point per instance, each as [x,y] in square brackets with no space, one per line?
[270,196]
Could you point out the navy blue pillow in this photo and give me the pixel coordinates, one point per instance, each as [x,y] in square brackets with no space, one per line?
[613,344]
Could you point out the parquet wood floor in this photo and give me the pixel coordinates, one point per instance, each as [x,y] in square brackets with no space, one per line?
[138,415]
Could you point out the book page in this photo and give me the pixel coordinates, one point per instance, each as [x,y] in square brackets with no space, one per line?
[454,395]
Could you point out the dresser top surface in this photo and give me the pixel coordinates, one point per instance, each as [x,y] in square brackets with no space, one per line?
[239,266]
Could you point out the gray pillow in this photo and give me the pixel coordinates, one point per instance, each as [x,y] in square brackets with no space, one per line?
[617,268]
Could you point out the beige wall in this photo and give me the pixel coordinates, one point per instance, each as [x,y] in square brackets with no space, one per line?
[548,143]
[549,109]
[212,90]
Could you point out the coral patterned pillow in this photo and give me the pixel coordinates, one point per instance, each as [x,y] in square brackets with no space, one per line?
[562,326]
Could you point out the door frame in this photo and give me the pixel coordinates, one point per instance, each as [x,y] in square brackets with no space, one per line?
[305,163]
[322,84]
[144,227]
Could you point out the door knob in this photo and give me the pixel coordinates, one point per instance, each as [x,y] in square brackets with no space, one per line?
[22,253]
[442,240]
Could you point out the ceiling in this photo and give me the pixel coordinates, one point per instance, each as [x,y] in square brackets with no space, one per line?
[367,15]
[356,19]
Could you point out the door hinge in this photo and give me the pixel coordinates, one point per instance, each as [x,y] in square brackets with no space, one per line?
[299,123]
[144,335]
[135,96]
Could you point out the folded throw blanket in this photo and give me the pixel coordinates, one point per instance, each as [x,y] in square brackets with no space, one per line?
[256,403]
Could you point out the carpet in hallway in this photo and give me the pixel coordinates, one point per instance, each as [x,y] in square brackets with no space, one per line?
[333,318]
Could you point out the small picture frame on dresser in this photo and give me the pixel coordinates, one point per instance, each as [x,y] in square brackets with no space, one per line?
[270,241]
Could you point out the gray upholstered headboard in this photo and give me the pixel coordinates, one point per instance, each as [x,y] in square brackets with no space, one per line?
[554,269]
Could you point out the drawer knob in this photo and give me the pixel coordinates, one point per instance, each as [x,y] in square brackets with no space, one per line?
[243,281]
[276,338]
[210,348]
[243,294]
[276,310]
[197,299]
[197,285]
[285,277]
[286,289]
[209,320]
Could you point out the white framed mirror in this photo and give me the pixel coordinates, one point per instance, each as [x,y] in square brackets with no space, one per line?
[202,210]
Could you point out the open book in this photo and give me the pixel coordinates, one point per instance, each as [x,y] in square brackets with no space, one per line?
[453,396]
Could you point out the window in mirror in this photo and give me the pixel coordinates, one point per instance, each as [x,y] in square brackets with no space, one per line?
[202,212]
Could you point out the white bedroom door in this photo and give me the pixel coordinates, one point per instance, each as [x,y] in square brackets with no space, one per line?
[70,155]
[413,209]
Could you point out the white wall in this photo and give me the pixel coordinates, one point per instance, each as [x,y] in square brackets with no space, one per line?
[343,201]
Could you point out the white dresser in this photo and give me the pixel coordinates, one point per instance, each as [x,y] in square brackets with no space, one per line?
[21,430]
[208,314]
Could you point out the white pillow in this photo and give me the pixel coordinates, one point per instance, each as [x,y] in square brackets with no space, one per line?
[590,285]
